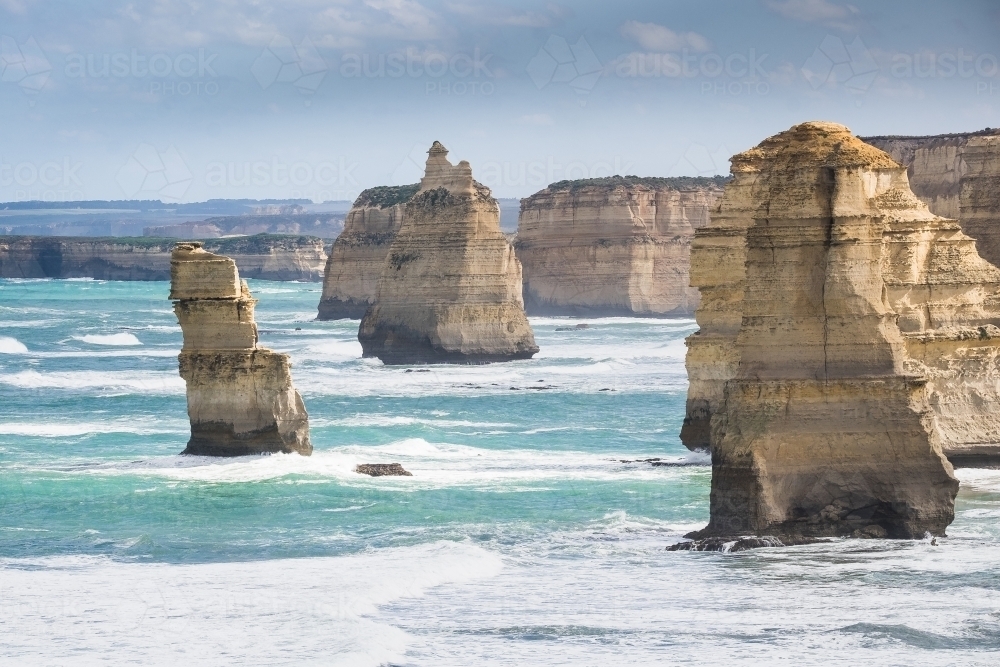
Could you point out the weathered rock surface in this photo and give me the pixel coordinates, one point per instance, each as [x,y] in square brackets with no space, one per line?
[382,470]
[240,395]
[264,257]
[358,254]
[826,425]
[956,175]
[450,288]
[613,246]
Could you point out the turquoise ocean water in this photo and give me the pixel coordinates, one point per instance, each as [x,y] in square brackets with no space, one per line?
[521,539]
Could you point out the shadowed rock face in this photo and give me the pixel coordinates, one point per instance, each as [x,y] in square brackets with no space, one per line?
[450,287]
[357,255]
[823,426]
[240,396]
[612,246]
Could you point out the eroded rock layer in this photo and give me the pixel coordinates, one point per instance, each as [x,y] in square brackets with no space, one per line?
[825,426]
[450,287]
[240,395]
[956,175]
[357,255]
[613,246]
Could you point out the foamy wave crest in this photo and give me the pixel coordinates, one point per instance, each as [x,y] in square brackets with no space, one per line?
[120,339]
[76,429]
[10,345]
[156,614]
[143,382]
[360,421]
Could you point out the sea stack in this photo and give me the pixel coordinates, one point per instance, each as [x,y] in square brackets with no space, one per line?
[356,258]
[613,246]
[826,427]
[240,395]
[450,287]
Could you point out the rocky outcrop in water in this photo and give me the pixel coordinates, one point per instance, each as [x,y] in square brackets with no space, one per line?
[240,395]
[826,425]
[357,255]
[613,246]
[956,175]
[263,257]
[450,287]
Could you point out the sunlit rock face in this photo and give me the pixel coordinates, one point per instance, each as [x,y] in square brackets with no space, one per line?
[240,395]
[613,246]
[357,255]
[825,425]
[450,287]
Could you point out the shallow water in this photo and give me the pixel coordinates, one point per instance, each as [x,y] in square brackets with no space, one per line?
[522,538]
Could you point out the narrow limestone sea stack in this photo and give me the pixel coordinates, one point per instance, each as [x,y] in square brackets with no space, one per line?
[450,287]
[613,246]
[240,395]
[825,428]
[356,259]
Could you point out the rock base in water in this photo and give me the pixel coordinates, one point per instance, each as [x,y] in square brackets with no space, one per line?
[382,470]
[732,544]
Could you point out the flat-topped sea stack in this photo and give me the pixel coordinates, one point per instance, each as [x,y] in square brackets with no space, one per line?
[826,426]
[240,395]
[613,246]
[357,256]
[957,176]
[450,287]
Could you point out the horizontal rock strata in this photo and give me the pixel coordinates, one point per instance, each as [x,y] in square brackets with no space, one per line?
[825,427]
[357,255]
[613,246]
[450,287]
[240,395]
[263,257]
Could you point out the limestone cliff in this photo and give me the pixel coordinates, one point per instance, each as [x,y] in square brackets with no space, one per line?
[240,395]
[613,246]
[825,428]
[357,255]
[264,257]
[450,287]
[956,176]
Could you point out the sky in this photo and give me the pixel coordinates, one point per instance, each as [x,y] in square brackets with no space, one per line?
[185,101]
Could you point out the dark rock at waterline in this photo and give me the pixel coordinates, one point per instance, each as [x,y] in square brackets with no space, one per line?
[727,545]
[658,462]
[382,470]
[578,327]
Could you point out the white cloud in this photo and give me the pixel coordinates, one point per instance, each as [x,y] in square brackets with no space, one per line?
[494,15]
[654,37]
[826,13]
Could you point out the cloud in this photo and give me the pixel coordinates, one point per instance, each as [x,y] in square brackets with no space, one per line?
[502,16]
[843,17]
[537,119]
[654,37]
[14,6]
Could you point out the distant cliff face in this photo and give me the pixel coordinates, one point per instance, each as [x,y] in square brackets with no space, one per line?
[264,257]
[358,253]
[617,245]
[450,287]
[955,175]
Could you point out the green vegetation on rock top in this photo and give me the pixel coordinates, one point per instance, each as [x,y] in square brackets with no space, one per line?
[385,196]
[673,182]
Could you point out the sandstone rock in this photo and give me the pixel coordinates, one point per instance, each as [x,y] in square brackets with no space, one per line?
[382,470]
[612,246]
[357,255]
[240,395]
[264,256]
[450,288]
[825,428]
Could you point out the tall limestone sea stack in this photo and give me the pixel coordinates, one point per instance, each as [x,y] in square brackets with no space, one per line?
[450,287]
[356,259]
[240,395]
[825,426]
[613,246]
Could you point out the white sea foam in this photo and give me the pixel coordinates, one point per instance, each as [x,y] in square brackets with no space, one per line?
[382,420]
[120,339]
[301,611]
[142,382]
[10,345]
[76,429]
